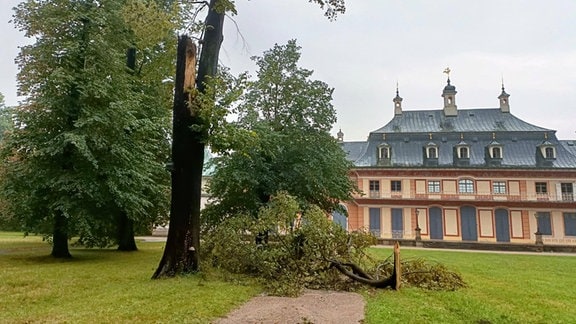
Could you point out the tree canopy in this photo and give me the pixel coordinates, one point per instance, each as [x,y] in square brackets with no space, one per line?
[90,140]
[286,117]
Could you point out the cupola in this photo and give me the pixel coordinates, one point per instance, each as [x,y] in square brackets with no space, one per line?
[397,103]
[504,103]
[449,95]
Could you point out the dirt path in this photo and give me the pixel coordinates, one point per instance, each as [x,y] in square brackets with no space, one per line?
[313,306]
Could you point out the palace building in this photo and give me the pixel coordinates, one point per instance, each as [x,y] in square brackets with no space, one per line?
[478,175]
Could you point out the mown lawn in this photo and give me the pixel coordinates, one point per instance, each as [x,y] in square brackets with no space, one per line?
[503,288]
[106,286]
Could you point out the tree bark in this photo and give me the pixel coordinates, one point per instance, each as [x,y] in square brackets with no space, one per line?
[60,236]
[354,272]
[125,225]
[183,243]
[126,241]
[176,258]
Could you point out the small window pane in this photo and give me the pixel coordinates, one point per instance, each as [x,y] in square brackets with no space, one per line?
[499,187]
[434,186]
[466,186]
[396,186]
[541,188]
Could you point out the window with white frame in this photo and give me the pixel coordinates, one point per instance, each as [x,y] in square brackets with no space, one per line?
[433,186]
[496,153]
[396,186]
[432,152]
[465,186]
[499,187]
[463,152]
[374,188]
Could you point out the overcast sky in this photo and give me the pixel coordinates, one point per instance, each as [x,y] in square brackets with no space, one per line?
[531,44]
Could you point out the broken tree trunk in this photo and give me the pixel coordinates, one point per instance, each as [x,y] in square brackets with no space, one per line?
[354,272]
[179,253]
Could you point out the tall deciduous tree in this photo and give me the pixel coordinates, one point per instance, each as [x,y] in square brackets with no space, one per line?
[177,260]
[88,143]
[288,116]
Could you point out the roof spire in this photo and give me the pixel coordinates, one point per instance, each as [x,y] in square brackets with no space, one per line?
[449,95]
[503,97]
[397,102]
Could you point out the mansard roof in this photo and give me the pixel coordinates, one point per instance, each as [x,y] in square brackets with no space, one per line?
[408,134]
[467,120]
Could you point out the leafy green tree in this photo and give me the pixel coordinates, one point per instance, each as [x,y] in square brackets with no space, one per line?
[288,147]
[89,144]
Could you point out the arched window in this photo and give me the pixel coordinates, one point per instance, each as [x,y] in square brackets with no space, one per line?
[496,153]
[549,152]
[432,153]
[465,186]
[464,154]
[383,152]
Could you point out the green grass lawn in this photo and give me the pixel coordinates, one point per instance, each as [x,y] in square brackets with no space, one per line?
[106,286]
[503,288]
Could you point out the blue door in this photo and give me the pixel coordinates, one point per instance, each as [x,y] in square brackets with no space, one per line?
[469,224]
[397,223]
[340,219]
[375,221]
[502,225]
[436,227]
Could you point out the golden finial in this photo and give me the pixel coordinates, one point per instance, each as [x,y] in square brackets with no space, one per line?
[545,136]
[447,71]
[430,136]
[493,136]
[384,136]
[461,136]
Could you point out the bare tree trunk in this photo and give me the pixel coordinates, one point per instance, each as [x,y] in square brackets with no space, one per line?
[125,225]
[176,258]
[60,237]
[126,241]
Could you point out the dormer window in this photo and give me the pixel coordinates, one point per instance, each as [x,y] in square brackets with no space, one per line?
[432,152]
[545,154]
[384,154]
[549,153]
[493,153]
[463,152]
[496,152]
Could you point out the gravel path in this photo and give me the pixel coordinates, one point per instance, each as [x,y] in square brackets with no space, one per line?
[313,306]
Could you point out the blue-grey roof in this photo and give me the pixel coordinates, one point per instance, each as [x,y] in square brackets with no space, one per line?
[408,134]
[468,120]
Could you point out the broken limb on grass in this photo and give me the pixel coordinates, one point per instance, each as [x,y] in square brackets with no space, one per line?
[354,272]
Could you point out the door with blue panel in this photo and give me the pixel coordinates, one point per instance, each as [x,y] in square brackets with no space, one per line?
[436,224]
[397,223]
[374,225]
[469,223]
[502,225]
